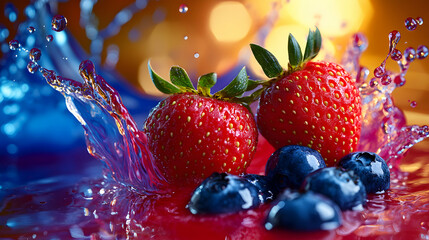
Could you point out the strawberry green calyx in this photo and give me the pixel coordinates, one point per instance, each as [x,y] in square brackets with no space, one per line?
[205,83]
[314,43]
[294,51]
[235,88]
[270,64]
[181,83]
[312,48]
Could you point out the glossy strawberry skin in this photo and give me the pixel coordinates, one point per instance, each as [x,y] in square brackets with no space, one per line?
[318,106]
[192,136]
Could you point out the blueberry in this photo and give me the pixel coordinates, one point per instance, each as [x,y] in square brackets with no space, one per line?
[223,193]
[289,165]
[304,212]
[371,169]
[262,184]
[341,186]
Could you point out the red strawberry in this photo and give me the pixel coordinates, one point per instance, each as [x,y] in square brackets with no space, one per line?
[193,133]
[315,104]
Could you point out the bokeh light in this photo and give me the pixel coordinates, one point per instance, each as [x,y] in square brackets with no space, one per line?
[333,17]
[230,21]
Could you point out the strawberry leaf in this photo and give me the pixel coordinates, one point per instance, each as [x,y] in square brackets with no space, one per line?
[314,42]
[308,53]
[205,82]
[294,50]
[268,62]
[161,84]
[317,41]
[180,78]
[237,87]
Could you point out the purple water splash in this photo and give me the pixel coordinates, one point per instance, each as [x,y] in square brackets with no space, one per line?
[384,128]
[111,133]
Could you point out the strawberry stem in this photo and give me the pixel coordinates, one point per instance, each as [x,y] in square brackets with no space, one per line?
[205,83]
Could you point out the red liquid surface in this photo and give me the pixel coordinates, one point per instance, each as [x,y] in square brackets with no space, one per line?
[49,209]
[402,212]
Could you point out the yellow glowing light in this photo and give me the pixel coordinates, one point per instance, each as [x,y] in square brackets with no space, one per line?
[230,21]
[161,66]
[327,52]
[333,17]
[163,38]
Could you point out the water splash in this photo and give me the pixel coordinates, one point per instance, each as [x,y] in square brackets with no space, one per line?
[106,209]
[111,133]
[384,128]
[41,109]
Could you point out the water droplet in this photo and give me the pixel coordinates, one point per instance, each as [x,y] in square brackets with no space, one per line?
[396,55]
[49,38]
[14,44]
[32,67]
[386,80]
[399,80]
[59,23]
[373,82]
[410,54]
[379,71]
[196,55]
[360,42]
[35,54]
[31,29]
[413,104]
[183,8]
[394,37]
[419,20]
[422,52]
[411,23]
[185,37]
